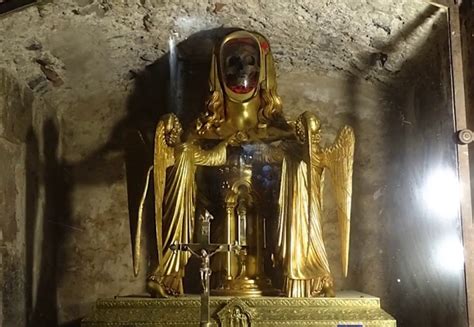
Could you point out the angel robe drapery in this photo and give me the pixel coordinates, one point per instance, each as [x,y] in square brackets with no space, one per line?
[300,240]
[179,207]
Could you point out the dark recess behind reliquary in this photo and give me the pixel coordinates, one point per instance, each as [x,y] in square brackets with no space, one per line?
[10,5]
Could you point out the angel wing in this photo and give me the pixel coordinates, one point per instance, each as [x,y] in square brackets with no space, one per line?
[167,128]
[339,159]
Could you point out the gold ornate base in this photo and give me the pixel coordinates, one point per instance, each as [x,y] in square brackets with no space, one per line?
[245,287]
[347,308]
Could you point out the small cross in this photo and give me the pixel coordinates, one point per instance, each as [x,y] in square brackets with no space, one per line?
[205,250]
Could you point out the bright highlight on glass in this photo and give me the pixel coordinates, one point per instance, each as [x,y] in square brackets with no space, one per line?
[449,255]
[441,193]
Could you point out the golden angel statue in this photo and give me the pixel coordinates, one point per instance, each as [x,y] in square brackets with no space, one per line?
[300,244]
[175,209]
[242,131]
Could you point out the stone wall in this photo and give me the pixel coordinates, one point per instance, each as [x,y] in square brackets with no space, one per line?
[80,78]
[16,112]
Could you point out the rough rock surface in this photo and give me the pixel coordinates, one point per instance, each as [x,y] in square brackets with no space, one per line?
[327,36]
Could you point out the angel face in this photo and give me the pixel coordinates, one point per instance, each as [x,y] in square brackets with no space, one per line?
[241,64]
[173,131]
[307,122]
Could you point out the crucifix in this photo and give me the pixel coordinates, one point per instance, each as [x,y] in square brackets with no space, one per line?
[204,250]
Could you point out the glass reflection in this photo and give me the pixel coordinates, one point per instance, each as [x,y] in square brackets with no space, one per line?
[449,255]
[440,193]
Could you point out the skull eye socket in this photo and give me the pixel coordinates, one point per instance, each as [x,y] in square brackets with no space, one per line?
[249,60]
[233,61]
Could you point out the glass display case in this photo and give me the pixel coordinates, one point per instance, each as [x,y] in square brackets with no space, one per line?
[169,159]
